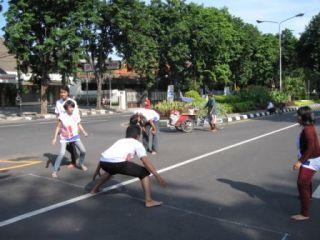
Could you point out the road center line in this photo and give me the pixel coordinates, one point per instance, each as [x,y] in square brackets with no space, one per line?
[115,186]
[221,220]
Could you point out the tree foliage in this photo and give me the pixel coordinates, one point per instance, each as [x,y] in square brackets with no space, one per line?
[309,51]
[43,37]
[165,41]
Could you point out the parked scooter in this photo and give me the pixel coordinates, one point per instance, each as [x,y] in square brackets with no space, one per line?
[181,122]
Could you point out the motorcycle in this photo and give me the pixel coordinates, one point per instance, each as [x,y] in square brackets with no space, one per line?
[181,121]
[186,122]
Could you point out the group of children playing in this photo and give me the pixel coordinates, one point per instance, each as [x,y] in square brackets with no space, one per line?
[118,158]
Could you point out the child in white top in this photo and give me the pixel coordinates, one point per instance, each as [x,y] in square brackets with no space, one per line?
[117,160]
[68,127]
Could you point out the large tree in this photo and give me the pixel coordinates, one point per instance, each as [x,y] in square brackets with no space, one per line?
[94,27]
[42,36]
[289,52]
[134,37]
[309,51]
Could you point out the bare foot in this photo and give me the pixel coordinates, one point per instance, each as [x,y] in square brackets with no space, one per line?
[95,191]
[299,217]
[84,168]
[153,203]
[71,166]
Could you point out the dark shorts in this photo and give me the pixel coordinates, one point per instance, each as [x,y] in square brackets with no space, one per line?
[125,168]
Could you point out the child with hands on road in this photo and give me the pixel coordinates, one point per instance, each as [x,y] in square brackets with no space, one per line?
[118,160]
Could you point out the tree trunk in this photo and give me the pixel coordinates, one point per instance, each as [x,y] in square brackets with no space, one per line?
[3,96]
[43,98]
[99,90]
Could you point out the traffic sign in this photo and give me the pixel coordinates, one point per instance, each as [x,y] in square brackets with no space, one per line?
[113,65]
[87,67]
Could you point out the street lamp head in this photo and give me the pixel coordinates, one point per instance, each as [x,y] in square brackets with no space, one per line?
[259,21]
[300,15]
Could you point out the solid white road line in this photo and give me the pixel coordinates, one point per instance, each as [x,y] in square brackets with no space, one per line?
[89,195]
[316,193]
[285,236]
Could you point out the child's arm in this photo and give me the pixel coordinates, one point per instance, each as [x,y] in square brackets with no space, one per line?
[153,127]
[149,166]
[56,133]
[82,130]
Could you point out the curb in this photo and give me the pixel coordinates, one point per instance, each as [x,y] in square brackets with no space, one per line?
[257,115]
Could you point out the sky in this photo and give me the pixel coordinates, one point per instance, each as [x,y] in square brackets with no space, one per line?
[252,10]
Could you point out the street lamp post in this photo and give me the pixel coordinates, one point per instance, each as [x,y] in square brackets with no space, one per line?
[280,47]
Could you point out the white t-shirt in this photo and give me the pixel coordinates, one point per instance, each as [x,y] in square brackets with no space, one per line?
[69,128]
[123,150]
[270,105]
[149,114]
[60,109]
[313,164]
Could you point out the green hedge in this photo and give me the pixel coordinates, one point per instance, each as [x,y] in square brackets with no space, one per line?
[244,106]
[303,102]
[249,99]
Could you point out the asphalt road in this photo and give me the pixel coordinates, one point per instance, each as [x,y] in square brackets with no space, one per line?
[233,184]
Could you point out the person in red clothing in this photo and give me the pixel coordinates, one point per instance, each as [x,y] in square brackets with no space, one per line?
[147,103]
[308,160]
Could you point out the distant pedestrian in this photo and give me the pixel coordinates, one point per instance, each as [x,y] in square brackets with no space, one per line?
[270,108]
[59,109]
[308,160]
[211,112]
[118,160]
[147,103]
[68,127]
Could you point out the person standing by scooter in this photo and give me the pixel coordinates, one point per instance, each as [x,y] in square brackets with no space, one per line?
[211,106]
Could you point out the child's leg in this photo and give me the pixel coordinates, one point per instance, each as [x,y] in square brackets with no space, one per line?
[73,152]
[155,139]
[304,181]
[104,178]
[146,185]
[97,172]
[146,138]
[82,150]
[60,156]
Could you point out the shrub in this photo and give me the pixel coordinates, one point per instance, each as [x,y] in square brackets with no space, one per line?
[257,94]
[193,94]
[278,97]
[165,107]
[244,106]
[224,108]
[303,103]
[296,87]
[227,98]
